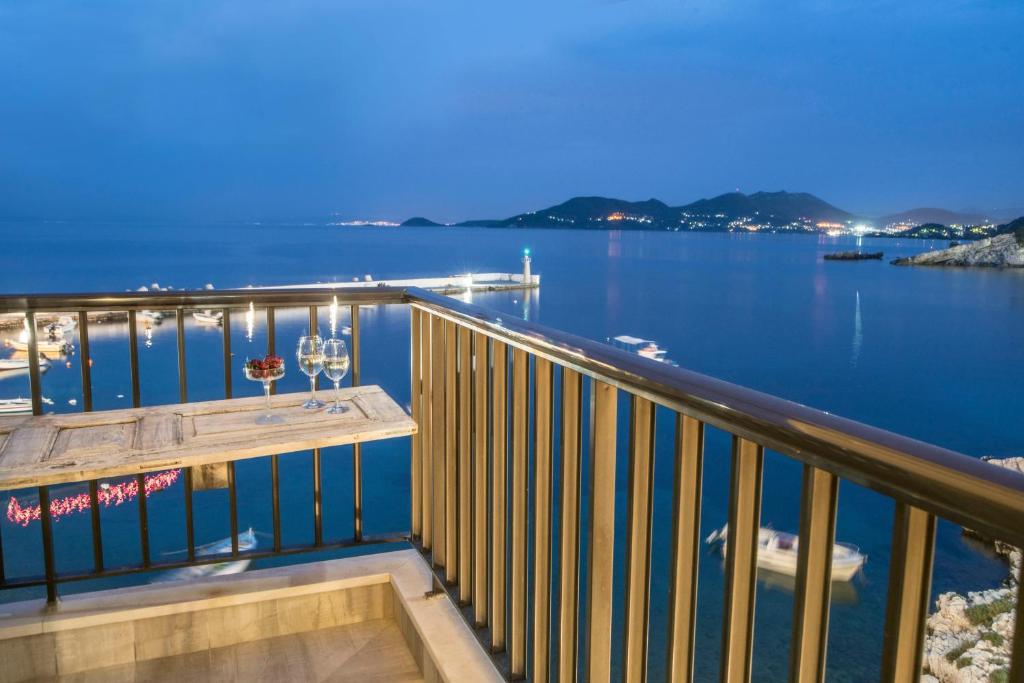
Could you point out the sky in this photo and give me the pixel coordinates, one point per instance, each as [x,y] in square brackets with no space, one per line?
[303,110]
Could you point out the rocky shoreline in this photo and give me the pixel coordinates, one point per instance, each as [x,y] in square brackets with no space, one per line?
[1001,251]
[970,637]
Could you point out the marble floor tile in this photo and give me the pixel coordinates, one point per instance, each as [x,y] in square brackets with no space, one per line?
[366,652]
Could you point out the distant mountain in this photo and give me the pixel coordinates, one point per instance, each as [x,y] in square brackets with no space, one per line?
[782,207]
[931,215]
[773,211]
[420,222]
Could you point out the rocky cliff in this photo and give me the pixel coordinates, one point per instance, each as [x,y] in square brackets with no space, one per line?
[1001,251]
[970,637]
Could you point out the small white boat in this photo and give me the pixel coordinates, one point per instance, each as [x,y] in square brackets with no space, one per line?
[47,346]
[153,316]
[777,552]
[58,330]
[246,541]
[647,348]
[19,406]
[208,317]
[9,364]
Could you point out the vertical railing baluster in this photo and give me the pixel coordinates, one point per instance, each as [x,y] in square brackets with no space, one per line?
[34,378]
[49,561]
[3,576]
[451,464]
[182,369]
[233,507]
[427,427]
[318,510]
[520,468]
[813,576]
[85,360]
[275,493]
[465,465]
[357,449]
[97,536]
[272,339]
[190,527]
[415,400]
[140,480]
[226,343]
[542,475]
[481,367]
[133,358]
[601,546]
[638,539]
[499,475]
[437,555]
[686,547]
[910,580]
[741,560]
[569,540]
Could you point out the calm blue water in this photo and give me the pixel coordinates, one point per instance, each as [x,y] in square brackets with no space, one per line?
[932,353]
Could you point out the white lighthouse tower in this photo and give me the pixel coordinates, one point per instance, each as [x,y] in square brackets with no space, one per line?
[527,277]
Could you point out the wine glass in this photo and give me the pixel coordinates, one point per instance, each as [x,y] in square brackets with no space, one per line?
[310,355]
[336,362]
[267,371]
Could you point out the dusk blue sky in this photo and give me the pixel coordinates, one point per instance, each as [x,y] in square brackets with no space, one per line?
[255,110]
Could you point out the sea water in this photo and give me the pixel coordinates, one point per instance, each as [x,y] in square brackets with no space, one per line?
[931,353]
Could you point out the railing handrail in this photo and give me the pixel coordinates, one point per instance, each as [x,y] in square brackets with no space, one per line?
[952,485]
[985,498]
[202,298]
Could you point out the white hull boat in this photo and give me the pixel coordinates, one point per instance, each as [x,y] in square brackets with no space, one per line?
[777,552]
[208,317]
[246,542]
[12,364]
[19,406]
[153,316]
[42,345]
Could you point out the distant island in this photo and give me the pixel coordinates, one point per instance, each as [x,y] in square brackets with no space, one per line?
[772,212]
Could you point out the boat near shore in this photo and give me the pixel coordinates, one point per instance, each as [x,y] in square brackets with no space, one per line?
[246,542]
[777,552]
[15,364]
[855,256]
[19,406]
[208,317]
[51,348]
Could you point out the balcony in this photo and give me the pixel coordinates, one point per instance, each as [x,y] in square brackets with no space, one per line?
[519,560]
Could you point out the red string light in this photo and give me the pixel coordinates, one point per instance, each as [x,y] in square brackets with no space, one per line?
[114,494]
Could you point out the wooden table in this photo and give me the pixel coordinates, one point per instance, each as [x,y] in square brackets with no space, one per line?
[54,449]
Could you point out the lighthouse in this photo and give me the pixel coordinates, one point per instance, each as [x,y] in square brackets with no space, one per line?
[527,278]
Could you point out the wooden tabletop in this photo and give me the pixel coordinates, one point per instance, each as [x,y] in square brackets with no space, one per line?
[54,449]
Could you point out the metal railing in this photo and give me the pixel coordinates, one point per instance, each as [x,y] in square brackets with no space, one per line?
[129,305]
[484,390]
[472,372]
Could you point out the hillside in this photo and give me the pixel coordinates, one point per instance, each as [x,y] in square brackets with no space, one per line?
[924,216]
[792,211]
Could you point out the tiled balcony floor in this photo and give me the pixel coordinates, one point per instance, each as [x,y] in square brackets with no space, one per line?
[367,651]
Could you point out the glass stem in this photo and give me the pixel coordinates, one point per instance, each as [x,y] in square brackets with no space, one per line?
[266,395]
[312,388]
[337,394]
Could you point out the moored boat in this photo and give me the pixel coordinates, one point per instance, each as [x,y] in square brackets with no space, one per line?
[246,541]
[19,406]
[10,364]
[854,256]
[777,551]
[208,317]
[47,346]
[647,348]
